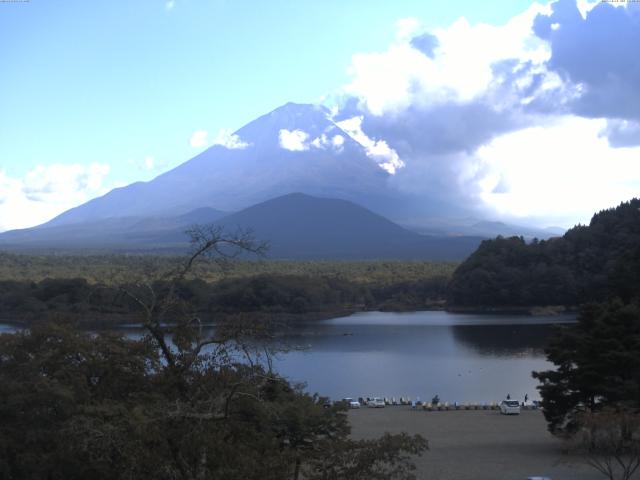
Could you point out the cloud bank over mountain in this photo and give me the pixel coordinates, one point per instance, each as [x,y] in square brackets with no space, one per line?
[536,118]
[46,191]
[535,121]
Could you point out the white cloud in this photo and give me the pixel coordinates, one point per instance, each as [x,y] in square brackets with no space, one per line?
[47,191]
[585,6]
[295,140]
[378,150]
[199,139]
[482,119]
[229,140]
[299,141]
[402,76]
[406,27]
[321,142]
[337,141]
[148,164]
[563,172]
[224,137]
[324,142]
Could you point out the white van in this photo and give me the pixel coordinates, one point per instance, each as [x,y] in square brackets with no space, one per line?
[375,403]
[510,407]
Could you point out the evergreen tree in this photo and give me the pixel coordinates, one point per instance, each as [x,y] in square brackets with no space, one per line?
[597,365]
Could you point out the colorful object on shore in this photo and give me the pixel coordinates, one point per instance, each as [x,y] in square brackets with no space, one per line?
[417,404]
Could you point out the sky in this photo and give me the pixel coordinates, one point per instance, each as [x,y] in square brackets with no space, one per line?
[530,110]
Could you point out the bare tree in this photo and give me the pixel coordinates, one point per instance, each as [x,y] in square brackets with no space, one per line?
[219,385]
[609,441]
[165,313]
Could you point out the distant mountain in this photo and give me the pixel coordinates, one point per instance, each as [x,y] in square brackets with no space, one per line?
[484,228]
[120,233]
[293,148]
[302,226]
[297,226]
[488,229]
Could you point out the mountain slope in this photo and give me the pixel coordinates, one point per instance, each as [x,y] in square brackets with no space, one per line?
[300,226]
[323,161]
[294,148]
[297,226]
[484,228]
[120,233]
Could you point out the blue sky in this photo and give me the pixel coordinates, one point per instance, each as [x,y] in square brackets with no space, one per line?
[111,92]
[118,81]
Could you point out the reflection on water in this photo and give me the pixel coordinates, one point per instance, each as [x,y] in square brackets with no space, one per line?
[7,328]
[504,340]
[478,358]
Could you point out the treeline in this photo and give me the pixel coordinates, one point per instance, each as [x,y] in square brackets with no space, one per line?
[272,294]
[115,269]
[589,263]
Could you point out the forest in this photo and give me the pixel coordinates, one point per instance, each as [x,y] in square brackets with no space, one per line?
[589,263]
[89,288]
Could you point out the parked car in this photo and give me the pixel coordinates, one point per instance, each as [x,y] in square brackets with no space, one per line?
[375,402]
[510,407]
[351,402]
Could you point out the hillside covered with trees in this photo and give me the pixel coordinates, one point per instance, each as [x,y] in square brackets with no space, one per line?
[589,263]
[34,289]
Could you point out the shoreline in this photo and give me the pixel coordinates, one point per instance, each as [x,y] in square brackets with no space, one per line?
[102,320]
[531,310]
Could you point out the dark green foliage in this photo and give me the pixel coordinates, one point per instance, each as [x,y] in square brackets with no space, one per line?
[76,406]
[597,365]
[289,293]
[62,392]
[414,295]
[89,285]
[264,294]
[589,263]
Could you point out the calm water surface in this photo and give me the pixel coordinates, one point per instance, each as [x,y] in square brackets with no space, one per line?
[459,357]
[479,358]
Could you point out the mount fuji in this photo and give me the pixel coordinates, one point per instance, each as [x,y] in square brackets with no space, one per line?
[293,149]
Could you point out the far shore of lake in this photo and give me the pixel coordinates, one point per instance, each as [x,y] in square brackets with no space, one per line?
[98,320]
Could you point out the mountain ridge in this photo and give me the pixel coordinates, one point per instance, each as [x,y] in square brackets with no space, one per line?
[294,148]
[234,178]
[298,226]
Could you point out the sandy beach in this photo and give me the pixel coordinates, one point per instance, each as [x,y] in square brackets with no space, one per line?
[476,444]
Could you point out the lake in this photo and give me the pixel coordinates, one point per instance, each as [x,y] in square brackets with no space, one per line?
[459,357]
